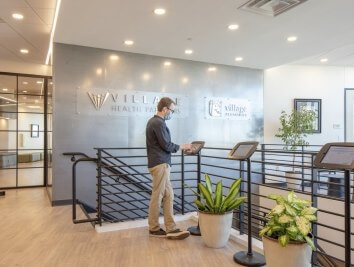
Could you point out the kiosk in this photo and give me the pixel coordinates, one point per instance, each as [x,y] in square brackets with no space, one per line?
[340,156]
[196,148]
[243,151]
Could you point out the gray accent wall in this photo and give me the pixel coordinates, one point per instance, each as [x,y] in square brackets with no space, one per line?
[75,70]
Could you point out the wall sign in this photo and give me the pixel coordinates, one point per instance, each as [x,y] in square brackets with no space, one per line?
[227,108]
[101,101]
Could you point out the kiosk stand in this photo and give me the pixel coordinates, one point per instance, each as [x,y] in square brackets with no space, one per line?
[243,152]
[340,156]
[196,148]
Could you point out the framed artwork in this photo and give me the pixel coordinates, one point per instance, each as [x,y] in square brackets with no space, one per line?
[34,130]
[314,105]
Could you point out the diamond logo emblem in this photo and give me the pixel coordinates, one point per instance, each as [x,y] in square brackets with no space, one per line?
[98,99]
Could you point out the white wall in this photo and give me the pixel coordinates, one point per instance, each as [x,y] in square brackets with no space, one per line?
[25,68]
[24,123]
[283,84]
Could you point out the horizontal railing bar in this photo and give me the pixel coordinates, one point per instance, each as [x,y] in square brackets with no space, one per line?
[130,201]
[139,174]
[328,255]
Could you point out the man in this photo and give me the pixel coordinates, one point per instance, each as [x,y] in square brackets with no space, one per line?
[159,149]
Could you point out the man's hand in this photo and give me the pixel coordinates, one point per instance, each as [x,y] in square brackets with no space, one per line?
[186,147]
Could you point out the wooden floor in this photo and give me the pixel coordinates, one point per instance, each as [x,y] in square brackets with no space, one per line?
[35,234]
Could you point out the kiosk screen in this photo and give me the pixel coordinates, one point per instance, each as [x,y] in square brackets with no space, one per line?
[339,155]
[242,150]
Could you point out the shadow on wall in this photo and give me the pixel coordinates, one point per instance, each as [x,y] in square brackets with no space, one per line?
[256,128]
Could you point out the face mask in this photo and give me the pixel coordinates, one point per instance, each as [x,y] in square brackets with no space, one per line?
[168,116]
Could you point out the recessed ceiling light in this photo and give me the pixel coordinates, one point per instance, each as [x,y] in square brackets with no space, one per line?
[292,38]
[39,82]
[233,27]
[24,91]
[24,82]
[146,76]
[51,83]
[128,42]
[212,69]
[324,60]
[167,63]
[99,71]
[114,57]
[24,51]
[5,89]
[238,58]
[17,16]
[185,80]
[7,102]
[188,51]
[160,11]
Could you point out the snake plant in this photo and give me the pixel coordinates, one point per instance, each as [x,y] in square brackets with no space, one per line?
[216,202]
[290,220]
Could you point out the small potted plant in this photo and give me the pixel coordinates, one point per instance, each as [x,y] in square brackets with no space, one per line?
[294,129]
[216,211]
[287,238]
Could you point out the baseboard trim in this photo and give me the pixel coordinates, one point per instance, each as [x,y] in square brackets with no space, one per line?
[109,227]
[61,202]
[257,245]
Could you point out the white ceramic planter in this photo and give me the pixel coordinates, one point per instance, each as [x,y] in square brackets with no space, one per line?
[295,254]
[291,182]
[215,228]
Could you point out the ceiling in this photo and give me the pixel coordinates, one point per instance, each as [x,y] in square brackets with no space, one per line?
[31,33]
[324,29]
[320,25]
[341,56]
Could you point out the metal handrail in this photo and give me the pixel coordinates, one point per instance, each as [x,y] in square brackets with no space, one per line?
[309,175]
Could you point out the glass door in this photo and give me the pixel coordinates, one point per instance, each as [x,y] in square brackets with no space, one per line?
[23,130]
[349,115]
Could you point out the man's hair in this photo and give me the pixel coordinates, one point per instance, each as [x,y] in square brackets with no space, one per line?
[165,102]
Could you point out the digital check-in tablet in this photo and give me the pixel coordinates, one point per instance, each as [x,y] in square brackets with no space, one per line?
[243,150]
[196,147]
[339,156]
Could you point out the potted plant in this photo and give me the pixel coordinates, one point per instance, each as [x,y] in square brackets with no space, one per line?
[216,211]
[287,238]
[294,129]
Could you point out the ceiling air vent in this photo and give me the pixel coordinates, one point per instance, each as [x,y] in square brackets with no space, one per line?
[270,7]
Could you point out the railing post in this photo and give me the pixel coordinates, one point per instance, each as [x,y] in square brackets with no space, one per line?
[263,160]
[74,190]
[99,186]
[302,169]
[242,190]
[314,187]
[199,173]
[182,179]
[347,231]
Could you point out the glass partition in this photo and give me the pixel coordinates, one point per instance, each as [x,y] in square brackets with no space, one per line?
[25,130]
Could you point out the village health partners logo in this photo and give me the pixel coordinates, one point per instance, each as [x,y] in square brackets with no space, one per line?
[98,99]
[215,108]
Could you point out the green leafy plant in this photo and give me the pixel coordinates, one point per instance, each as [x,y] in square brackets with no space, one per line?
[290,220]
[216,202]
[295,127]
